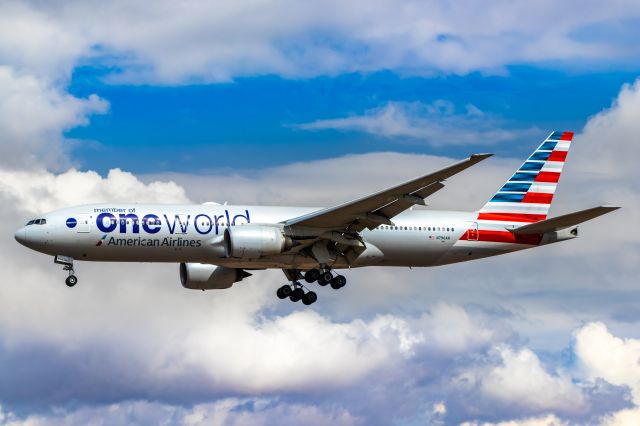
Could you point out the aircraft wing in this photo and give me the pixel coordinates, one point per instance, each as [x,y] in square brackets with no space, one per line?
[379,208]
[564,221]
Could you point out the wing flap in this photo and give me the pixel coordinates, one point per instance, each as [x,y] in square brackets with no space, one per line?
[564,221]
[402,204]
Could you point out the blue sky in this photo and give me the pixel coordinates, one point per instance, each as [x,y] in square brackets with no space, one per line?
[206,127]
[315,103]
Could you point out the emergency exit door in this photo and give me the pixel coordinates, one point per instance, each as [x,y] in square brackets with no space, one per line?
[472,232]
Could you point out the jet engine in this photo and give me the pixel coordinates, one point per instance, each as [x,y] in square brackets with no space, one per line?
[254,241]
[202,276]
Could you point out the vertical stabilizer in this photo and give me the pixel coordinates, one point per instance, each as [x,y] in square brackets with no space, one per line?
[527,195]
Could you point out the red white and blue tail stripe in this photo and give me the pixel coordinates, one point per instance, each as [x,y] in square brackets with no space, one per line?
[524,198]
[527,195]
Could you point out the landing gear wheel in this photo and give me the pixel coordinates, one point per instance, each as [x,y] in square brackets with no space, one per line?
[71,280]
[309,298]
[338,281]
[325,278]
[296,294]
[284,291]
[312,275]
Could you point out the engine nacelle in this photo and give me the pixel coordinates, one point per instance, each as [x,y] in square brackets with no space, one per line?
[202,276]
[254,241]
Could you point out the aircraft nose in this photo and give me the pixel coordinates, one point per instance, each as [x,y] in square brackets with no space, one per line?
[21,236]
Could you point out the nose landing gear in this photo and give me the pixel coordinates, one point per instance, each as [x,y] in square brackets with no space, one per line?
[71,279]
[67,263]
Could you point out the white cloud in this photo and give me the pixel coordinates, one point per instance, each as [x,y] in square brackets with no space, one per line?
[628,417]
[217,41]
[39,191]
[521,380]
[438,124]
[243,341]
[547,420]
[33,115]
[603,355]
[607,147]
[229,411]
[130,333]
[34,43]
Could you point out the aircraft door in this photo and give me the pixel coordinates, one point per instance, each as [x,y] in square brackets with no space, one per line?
[84,223]
[472,232]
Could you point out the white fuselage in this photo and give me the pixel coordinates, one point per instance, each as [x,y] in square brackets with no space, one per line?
[191,233]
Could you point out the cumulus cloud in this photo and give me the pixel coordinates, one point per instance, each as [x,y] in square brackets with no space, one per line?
[438,124]
[521,380]
[628,417]
[229,411]
[217,41]
[33,42]
[40,190]
[436,346]
[548,420]
[33,115]
[243,342]
[603,355]
[610,140]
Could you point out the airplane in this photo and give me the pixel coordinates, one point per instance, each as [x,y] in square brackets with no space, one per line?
[217,245]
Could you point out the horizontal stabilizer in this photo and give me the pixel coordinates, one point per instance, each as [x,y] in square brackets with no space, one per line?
[564,221]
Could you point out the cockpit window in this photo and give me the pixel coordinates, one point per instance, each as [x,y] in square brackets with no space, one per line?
[36,222]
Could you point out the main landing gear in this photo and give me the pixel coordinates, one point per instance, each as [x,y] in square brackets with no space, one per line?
[325,277]
[296,291]
[67,263]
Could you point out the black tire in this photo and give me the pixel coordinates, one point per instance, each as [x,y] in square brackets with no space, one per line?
[71,280]
[309,298]
[284,291]
[338,282]
[312,275]
[296,294]
[279,293]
